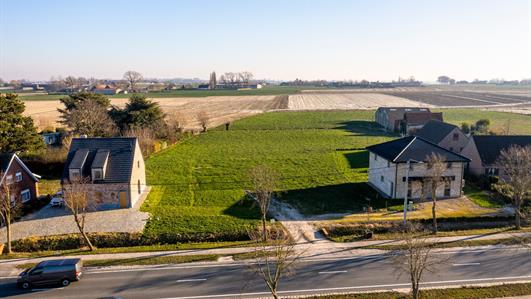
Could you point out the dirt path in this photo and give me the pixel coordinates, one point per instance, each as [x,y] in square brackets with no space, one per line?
[302,230]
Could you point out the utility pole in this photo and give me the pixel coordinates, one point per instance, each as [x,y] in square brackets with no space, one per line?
[408,163]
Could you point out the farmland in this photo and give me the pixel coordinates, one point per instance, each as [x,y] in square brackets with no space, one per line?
[317,154]
[462,98]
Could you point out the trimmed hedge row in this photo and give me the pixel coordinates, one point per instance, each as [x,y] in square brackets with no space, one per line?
[111,240]
[444,224]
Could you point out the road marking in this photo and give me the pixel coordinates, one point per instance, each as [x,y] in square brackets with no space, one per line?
[191,280]
[332,272]
[467,264]
[355,287]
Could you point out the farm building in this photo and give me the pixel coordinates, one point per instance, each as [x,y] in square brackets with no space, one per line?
[444,135]
[19,178]
[388,168]
[415,120]
[113,167]
[484,150]
[105,89]
[391,117]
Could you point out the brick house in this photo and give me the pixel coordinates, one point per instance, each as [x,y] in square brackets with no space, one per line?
[16,174]
[415,120]
[391,117]
[444,135]
[114,168]
[388,165]
[484,150]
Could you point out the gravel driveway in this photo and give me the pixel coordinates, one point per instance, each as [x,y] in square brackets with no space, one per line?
[56,221]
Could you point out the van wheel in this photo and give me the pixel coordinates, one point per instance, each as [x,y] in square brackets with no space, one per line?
[25,285]
[65,282]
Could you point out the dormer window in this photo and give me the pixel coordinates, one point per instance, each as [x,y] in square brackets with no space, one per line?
[74,174]
[97,174]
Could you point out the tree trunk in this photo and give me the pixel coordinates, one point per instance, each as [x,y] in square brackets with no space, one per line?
[83,234]
[264,229]
[517,214]
[275,295]
[8,235]
[434,215]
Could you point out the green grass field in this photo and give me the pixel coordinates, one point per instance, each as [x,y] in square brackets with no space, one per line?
[198,185]
[268,90]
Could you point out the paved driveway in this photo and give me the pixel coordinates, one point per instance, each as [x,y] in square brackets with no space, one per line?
[57,221]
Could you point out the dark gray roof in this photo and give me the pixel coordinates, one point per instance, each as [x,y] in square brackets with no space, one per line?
[490,146]
[4,161]
[435,131]
[101,157]
[79,159]
[120,160]
[414,148]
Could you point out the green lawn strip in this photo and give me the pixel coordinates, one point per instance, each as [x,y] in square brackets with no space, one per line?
[480,197]
[519,123]
[471,292]
[450,244]
[455,233]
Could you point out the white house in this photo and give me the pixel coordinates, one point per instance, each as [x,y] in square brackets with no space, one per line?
[388,165]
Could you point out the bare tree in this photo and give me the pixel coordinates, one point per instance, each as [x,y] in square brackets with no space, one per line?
[230,77]
[245,76]
[79,203]
[515,178]
[10,204]
[223,79]
[213,81]
[436,168]
[273,260]
[71,82]
[146,139]
[92,119]
[177,121]
[204,120]
[264,181]
[415,258]
[132,78]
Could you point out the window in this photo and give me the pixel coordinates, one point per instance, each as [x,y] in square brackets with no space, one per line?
[25,195]
[409,189]
[381,178]
[9,179]
[138,163]
[491,171]
[18,176]
[447,188]
[455,136]
[139,190]
[97,174]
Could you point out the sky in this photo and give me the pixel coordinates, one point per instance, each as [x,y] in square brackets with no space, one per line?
[280,40]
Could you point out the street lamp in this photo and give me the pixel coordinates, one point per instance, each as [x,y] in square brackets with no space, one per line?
[408,163]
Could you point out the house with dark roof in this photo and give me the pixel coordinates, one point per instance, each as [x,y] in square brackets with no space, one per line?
[444,135]
[388,167]
[415,120]
[484,150]
[391,117]
[112,167]
[23,183]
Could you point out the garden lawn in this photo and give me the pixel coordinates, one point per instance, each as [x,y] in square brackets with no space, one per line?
[198,185]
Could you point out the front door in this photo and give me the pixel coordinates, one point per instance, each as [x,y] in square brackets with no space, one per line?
[123,199]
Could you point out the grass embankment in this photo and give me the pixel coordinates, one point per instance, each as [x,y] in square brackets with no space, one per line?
[161,260]
[505,290]
[198,186]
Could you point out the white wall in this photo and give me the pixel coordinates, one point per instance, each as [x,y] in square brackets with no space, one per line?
[420,170]
[378,168]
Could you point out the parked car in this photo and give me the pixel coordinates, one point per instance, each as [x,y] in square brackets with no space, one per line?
[57,201]
[58,272]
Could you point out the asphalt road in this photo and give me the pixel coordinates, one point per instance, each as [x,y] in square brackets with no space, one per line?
[312,276]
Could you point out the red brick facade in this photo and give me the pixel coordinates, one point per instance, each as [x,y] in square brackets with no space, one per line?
[26,182]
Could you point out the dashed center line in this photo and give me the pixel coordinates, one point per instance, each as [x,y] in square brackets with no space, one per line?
[191,280]
[332,272]
[467,264]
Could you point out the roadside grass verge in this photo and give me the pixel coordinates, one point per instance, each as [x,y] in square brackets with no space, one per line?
[480,197]
[469,292]
[471,243]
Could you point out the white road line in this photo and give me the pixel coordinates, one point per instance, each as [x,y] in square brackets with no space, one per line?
[356,287]
[191,280]
[332,272]
[467,264]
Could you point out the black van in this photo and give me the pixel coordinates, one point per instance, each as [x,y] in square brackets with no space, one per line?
[51,272]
